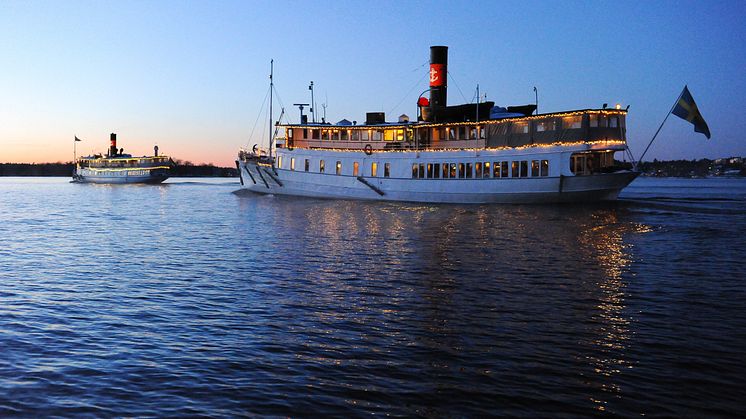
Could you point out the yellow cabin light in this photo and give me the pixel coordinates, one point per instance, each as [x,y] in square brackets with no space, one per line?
[618,106]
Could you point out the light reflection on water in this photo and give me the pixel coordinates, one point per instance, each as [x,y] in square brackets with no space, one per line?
[191,300]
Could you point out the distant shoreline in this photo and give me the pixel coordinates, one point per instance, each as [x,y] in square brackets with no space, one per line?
[66,170]
[731,166]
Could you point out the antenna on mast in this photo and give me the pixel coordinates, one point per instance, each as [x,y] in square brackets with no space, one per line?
[478,98]
[271,88]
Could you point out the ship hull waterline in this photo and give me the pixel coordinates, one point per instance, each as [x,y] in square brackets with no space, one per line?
[120,180]
[263,179]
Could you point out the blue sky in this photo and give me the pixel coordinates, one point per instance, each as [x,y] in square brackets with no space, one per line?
[192,76]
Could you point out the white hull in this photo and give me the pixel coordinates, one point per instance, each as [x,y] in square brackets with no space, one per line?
[120,177]
[560,185]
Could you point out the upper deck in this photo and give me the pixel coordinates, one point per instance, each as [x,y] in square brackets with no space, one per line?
[580,126]
[100,162]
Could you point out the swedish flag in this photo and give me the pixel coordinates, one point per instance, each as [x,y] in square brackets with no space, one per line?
[686,109]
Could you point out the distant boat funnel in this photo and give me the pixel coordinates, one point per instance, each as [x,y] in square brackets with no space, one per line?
[113,145]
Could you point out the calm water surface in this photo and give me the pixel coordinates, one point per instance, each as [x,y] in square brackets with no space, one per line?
[188,299]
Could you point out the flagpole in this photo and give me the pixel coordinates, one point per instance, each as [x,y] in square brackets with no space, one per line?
[659,128]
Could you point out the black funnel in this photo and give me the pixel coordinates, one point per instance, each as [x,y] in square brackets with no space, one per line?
[438,76]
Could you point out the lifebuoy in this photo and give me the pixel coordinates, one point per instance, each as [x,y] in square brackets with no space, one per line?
[253,149]
[368,149]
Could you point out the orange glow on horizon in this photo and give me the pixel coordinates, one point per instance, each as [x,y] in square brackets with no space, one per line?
[57,151]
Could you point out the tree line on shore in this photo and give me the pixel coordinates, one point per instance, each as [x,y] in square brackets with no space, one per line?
[181,169]
[733,166]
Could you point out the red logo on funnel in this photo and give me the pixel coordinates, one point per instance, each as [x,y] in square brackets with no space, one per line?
[437,75]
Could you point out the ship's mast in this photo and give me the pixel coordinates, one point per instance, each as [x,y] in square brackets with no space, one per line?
[271,88]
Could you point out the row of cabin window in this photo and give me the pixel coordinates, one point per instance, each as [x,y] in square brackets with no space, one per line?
[352,135]
[356,171]
[568,122]
[442,133]
[498,169]
[460,132]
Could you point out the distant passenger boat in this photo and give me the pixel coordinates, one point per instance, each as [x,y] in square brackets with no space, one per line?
[117,167]
[473,153]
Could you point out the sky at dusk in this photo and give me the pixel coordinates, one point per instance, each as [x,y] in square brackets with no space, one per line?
[192,76]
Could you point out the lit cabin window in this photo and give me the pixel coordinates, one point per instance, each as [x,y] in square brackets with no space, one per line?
[473,133]
[545,125]
[292,163]
[445,170]
[279,162]
[514,169]
[482,132]
[478,169]
[321,166]
[534,168]
[388,135]
[545,167]
[487,169]
[451,133]
[572,122]
[374,169]
[454,172]
[356,169]
[429,170]
[496,168]
[339,167]
[335,135]
[307,165]
[415,171]
[290,133]
[520,128]
[386,169]
[355,135]
[461,171]
[315,134]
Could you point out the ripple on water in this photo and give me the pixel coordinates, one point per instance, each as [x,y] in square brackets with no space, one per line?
[188,300]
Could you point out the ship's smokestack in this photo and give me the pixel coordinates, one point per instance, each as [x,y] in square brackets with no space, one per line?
[113,145]
[438,76]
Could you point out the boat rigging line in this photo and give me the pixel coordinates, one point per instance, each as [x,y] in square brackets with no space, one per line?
[418,83]
[457,87]
[258,117]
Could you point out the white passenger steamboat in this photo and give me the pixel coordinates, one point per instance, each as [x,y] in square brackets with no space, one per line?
[473,153]
[118,167]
